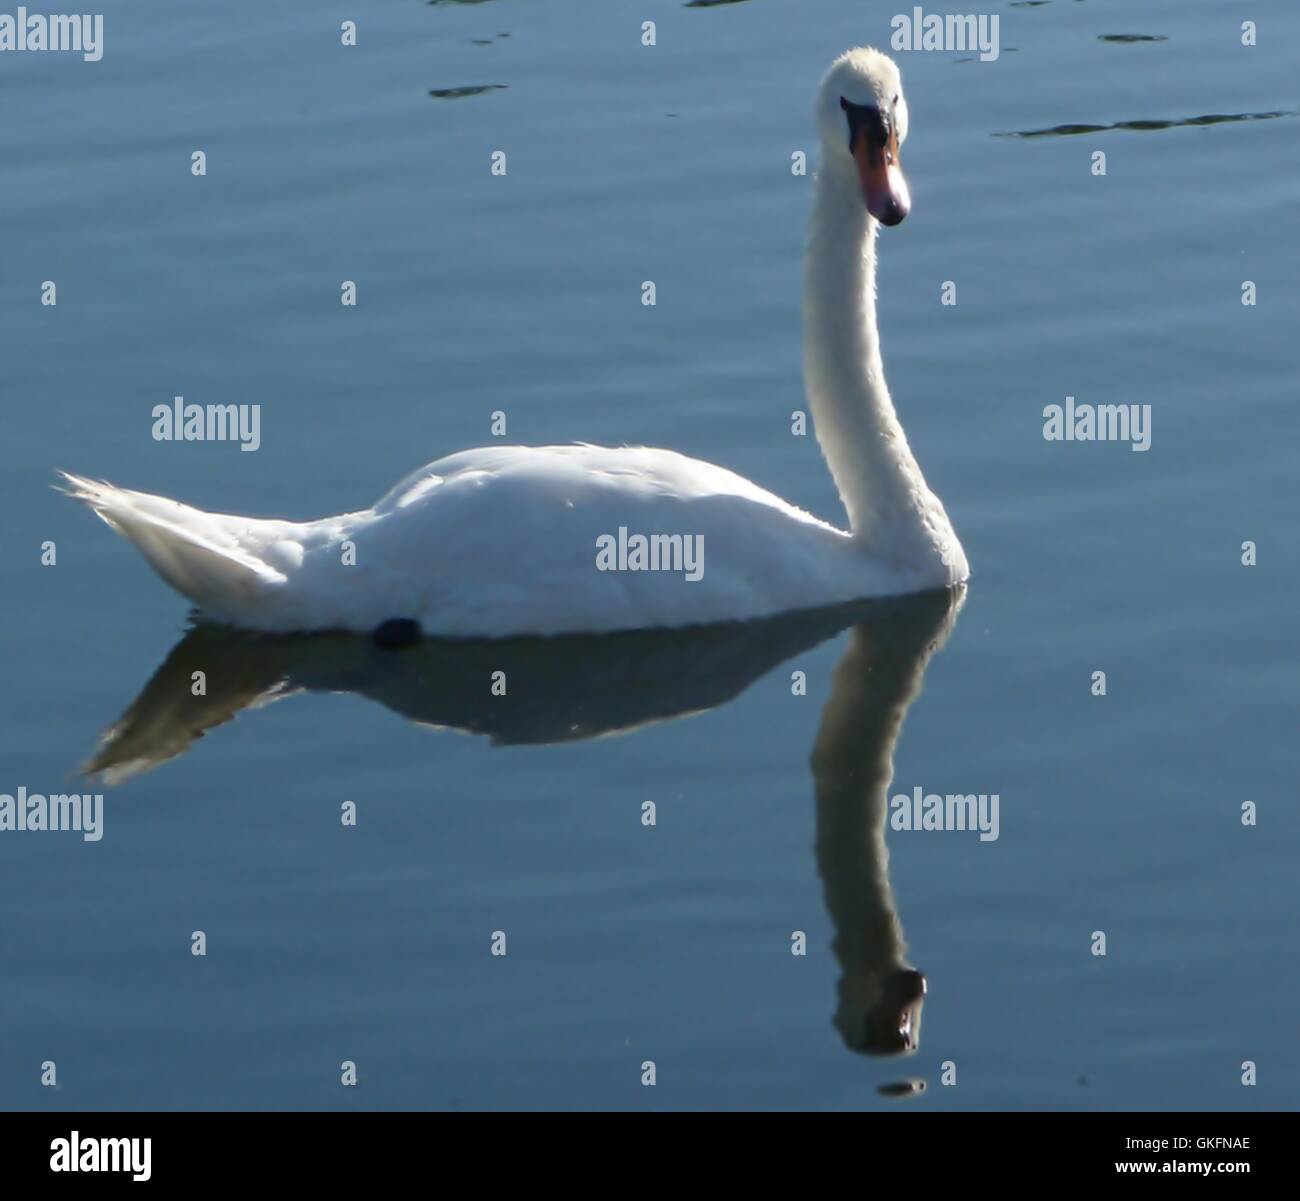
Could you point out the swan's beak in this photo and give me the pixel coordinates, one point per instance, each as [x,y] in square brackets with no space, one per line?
[883,186]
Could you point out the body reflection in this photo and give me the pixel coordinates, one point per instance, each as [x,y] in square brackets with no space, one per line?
[562,689]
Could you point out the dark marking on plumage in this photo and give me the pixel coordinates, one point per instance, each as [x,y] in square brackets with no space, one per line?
[397,632]
[868,119]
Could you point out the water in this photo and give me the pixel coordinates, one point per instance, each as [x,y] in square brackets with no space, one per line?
[670,943]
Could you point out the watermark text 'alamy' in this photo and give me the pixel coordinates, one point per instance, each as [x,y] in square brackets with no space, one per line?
[919,30]
[80,33]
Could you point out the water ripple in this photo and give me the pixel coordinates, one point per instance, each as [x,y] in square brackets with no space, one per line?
[1065,131]
[474,90]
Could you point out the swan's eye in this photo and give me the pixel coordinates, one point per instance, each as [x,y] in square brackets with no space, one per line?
[868,120]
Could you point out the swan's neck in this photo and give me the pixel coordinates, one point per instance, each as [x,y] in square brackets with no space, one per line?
[878,478]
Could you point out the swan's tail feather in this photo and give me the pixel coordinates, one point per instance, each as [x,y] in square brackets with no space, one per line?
[185,546]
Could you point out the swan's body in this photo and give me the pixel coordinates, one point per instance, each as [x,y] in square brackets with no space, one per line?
[504,540]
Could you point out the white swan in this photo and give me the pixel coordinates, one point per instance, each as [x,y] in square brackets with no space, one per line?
[504,540]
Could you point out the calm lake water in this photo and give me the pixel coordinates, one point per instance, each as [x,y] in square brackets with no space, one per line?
[669,943]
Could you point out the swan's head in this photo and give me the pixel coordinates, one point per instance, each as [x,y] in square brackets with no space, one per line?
[888,1020]
[862,116]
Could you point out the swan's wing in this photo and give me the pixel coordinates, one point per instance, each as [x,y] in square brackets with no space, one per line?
[506,540]
[569,472]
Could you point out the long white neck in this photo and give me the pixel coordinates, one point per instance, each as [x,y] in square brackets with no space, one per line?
[891,510]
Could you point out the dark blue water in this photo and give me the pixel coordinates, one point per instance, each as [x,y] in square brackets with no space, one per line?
[669,943]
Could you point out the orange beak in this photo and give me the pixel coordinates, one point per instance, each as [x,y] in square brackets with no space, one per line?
[883,186]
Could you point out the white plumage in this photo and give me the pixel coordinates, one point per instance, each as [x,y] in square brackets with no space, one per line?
[503,541]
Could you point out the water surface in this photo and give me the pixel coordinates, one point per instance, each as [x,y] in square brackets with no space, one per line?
[521,293]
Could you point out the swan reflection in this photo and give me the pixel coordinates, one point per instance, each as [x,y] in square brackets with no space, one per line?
[563,689]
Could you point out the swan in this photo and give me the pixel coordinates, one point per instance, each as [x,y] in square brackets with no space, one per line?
[516,540]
